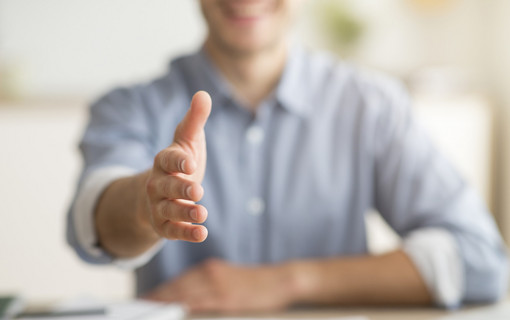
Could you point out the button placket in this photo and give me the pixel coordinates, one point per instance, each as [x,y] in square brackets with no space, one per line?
[254,203]
[255,135]
[255,206]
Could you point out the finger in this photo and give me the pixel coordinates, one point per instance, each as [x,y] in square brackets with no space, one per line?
[164,293]
[175,160]
[196,117]
[188,289]
[168,291]
[184,231]
[177,211]
[202,304]
[177,187]
[192,290]
[159,295]
[208,302]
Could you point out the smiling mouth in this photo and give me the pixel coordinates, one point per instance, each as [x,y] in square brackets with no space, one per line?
[246,10]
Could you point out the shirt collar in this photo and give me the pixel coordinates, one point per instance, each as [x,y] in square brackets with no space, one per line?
[213,78]
[291,92]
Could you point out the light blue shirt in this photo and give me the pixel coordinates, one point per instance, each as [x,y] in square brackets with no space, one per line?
[296,179]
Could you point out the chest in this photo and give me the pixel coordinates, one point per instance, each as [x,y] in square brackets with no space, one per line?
[285,187]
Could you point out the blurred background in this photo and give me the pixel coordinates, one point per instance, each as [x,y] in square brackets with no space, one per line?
[58,55]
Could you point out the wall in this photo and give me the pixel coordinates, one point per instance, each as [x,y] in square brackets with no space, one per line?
[498,75]
[402,37]
[72,47]
[39,164]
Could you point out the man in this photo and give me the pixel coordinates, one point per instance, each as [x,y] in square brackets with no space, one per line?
[299,147]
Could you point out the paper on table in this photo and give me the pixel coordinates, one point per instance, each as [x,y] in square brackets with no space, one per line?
[336,318]
[140,309]
[135,309]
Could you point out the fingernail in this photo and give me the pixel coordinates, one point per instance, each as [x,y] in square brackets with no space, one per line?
[182,165]
[188,191]
[197,234]
[194,214]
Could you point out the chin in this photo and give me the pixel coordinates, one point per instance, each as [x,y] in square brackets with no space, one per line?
[251,44]
[248,47]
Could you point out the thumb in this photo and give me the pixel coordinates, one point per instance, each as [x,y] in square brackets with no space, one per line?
[194,121]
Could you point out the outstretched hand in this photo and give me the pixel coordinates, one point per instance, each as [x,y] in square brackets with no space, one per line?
[174,184]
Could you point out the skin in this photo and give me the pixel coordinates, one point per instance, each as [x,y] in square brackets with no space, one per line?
[217,286]
[248,45]
[250,51]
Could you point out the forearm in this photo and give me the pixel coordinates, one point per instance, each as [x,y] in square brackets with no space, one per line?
[120,218]
[368,280]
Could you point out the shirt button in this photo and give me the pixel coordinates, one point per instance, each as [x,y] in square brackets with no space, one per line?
[255,135]
[256,206]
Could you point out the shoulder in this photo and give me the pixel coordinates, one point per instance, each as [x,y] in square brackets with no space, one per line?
[332,75]
[378,89]
[144,98]
[346,86]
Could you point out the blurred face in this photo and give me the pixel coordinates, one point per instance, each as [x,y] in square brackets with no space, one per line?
[248,26]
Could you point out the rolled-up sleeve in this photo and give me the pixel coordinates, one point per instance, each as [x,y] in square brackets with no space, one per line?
[417,188]
[116,143]
[436,255]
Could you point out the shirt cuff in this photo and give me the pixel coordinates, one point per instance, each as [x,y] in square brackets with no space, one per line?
[435,253]
[83,215]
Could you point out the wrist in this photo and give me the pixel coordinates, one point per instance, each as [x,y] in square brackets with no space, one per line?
[303,279]
[142,206]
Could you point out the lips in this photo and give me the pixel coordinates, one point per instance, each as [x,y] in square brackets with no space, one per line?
[246,9]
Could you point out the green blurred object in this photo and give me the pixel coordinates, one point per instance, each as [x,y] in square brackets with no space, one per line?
[10,306]
[341,26]
[11,79]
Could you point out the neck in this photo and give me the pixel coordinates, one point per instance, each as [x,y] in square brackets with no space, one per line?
[253,76]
